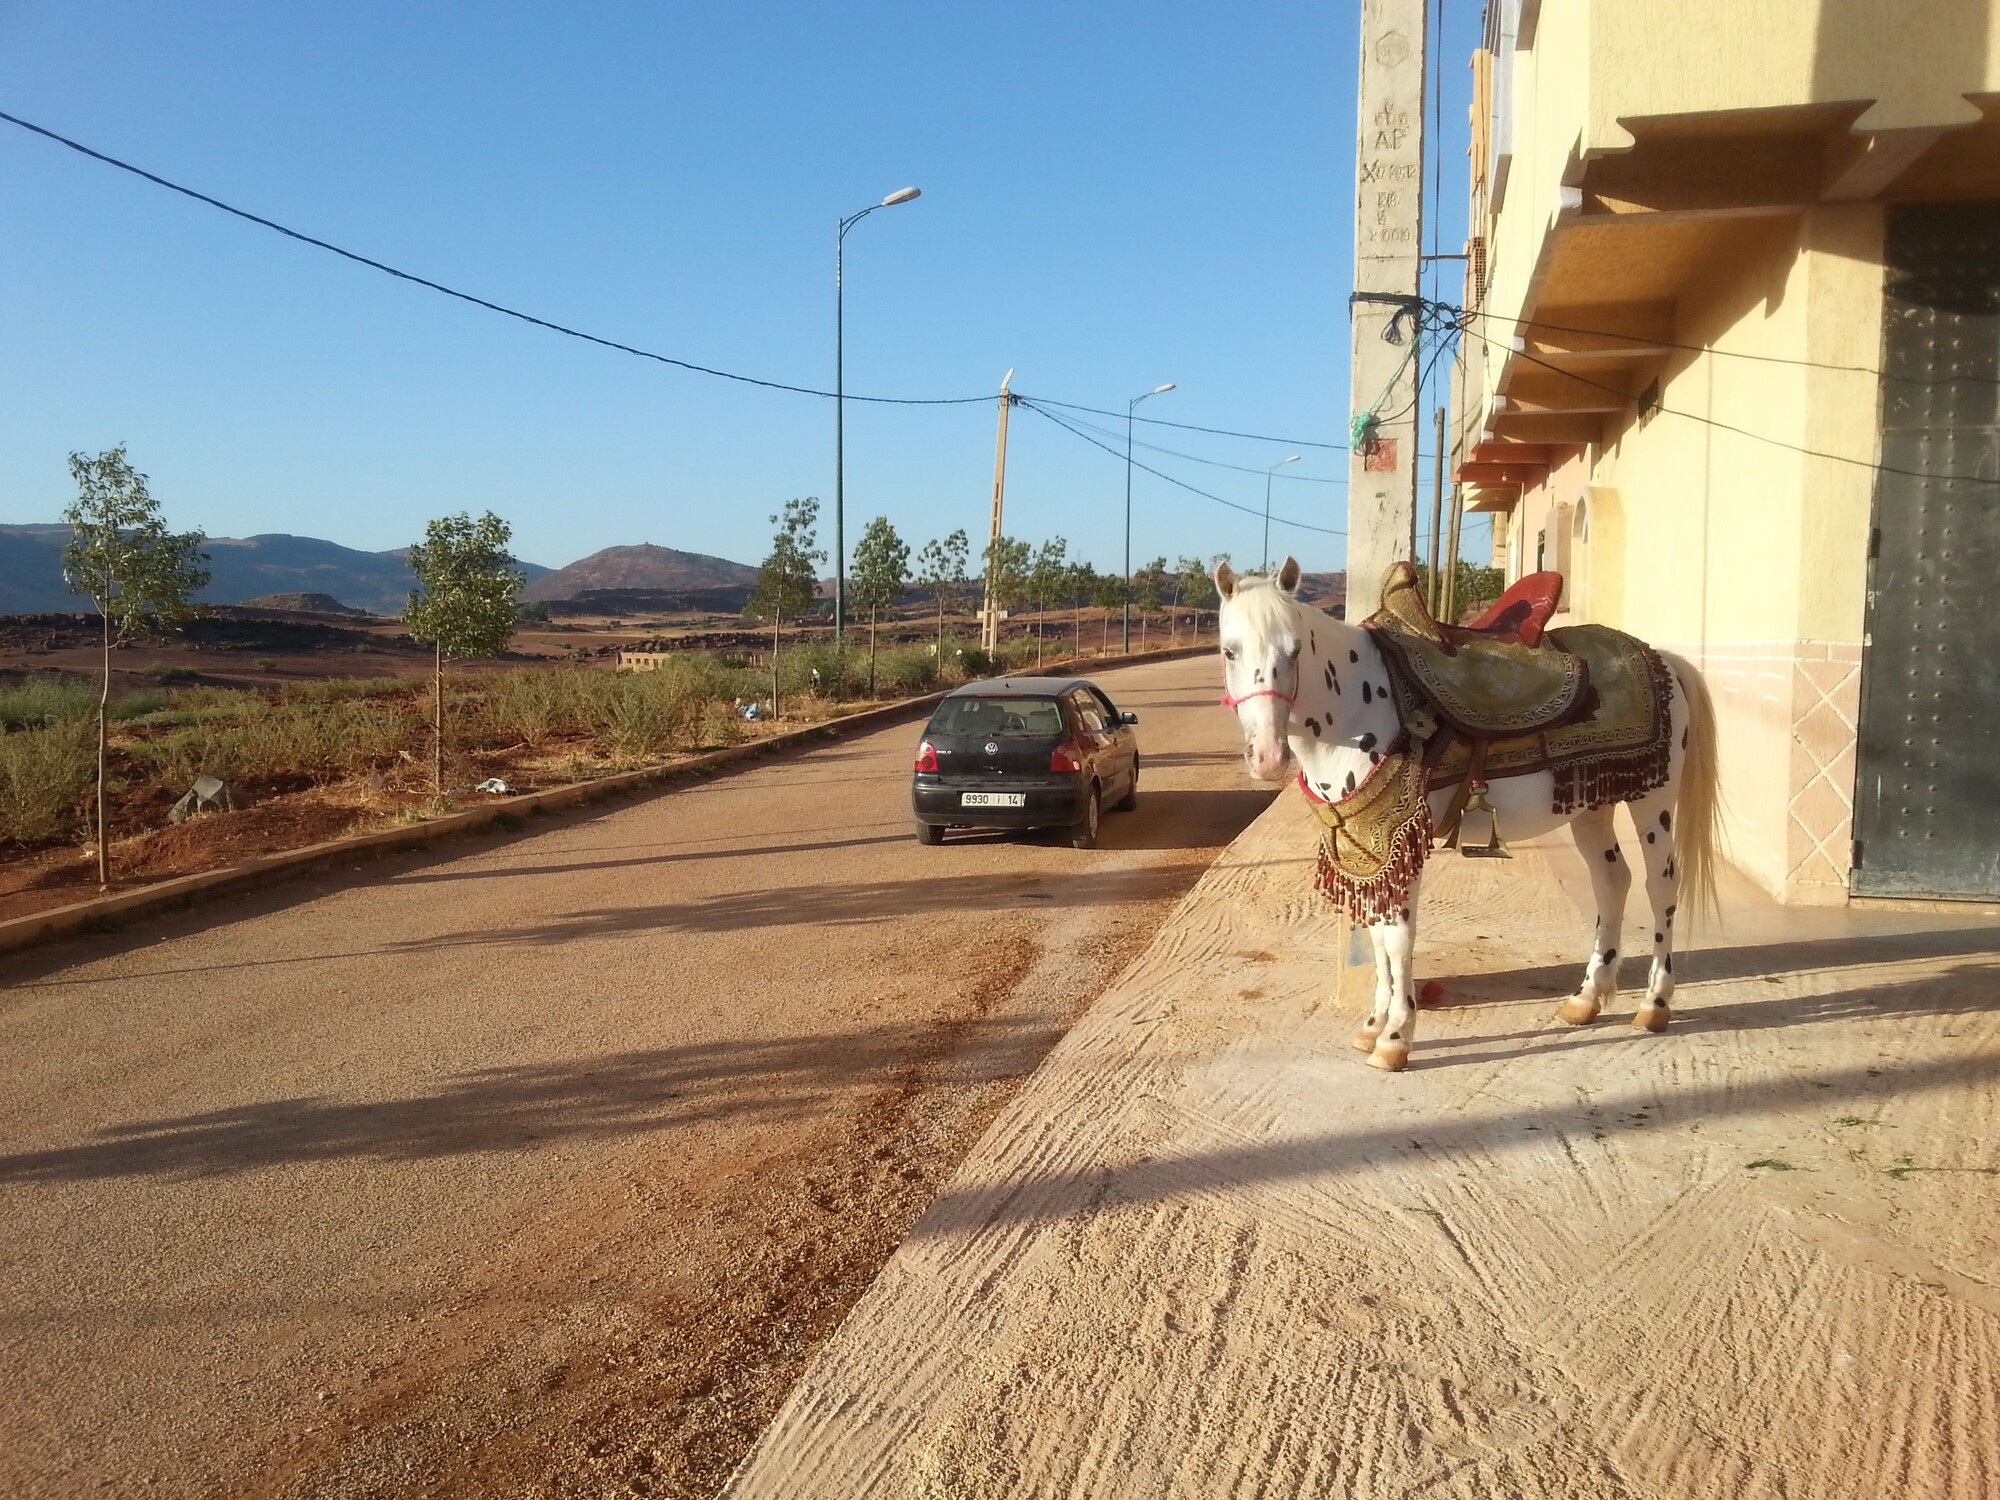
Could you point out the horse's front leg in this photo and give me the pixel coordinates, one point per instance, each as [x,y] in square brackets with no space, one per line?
[1395,943]
[1610,882]
[1385,991]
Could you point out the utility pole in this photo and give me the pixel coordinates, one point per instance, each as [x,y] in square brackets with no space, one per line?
[1451,572]
[1436,600]
[1388,230]
[989,624]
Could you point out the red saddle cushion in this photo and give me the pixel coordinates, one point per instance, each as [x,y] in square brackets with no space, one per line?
[1523,611]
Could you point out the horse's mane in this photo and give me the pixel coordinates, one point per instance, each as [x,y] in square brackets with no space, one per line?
[1261,605]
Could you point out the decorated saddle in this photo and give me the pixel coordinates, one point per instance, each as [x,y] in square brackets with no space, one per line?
[1585,702]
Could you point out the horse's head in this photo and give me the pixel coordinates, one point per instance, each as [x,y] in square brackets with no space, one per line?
[1261,640]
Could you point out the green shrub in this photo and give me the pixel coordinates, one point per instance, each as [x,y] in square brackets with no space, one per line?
[44,775]
[139,705]
[167,675]
[266,738]
[45,700]
[532,705]
[969,662]
[649,713]
[266,664]
[342,689]
[843,670]
[908,669]
[1018,653]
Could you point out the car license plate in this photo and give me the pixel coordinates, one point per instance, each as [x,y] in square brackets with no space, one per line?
[993,799]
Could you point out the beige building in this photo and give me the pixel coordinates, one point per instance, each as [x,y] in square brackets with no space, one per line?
[1732,365]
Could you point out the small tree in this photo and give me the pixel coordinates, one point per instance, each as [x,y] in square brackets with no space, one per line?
[1197,589]
[1007,567]
[881,573]
[787,582]
[463,604]
[1108,594]
[1149,586]
[140,576]
[1079,583]
[1048,580]
[941,569]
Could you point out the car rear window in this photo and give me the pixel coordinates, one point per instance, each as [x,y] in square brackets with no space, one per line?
[999,718]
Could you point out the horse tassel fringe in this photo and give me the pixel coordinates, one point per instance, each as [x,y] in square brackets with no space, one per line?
[1375,840]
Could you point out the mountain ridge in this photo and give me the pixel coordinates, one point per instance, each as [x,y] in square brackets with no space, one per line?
[642,568]
[240,568]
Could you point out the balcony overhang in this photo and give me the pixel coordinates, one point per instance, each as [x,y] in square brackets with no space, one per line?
[1637,226]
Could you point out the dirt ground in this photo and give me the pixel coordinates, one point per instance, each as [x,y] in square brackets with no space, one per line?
[1207,1252]
[541,1169]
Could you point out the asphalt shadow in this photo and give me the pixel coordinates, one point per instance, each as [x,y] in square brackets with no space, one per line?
[507,1109]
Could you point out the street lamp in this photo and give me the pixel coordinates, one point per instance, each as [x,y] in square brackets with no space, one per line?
[1130,407]
[1268,473]
[901,195]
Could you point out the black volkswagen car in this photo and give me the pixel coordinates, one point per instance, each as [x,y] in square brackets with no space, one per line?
[1025,752]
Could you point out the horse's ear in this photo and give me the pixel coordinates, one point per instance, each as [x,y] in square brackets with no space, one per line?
[1225,581]
[1288,577]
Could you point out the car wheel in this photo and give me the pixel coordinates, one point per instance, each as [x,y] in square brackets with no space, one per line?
[1084,834]
[929,833]
[1131,798]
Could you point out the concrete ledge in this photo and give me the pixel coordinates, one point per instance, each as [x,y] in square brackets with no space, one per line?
[101,913]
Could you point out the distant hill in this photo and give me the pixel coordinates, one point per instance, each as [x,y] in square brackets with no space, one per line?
[241,568]
[643,569]
[1323,589]
[302,604]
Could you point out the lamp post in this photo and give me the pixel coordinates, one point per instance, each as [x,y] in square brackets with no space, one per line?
[1130,407]
[901,195]
[1268,473]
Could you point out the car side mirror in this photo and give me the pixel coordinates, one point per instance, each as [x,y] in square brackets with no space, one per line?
[1128,718]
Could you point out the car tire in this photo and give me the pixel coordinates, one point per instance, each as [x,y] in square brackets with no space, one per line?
[1131,798]
[1083,834]
[930,833]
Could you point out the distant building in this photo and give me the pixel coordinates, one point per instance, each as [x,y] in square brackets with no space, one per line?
[1734,368]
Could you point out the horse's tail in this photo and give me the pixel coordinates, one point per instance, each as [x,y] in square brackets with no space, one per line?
[1698,806]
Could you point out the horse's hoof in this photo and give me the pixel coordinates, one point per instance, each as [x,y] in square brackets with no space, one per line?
[1578,1011]
[1390,1057]
[1652,1017]
[1364,1041]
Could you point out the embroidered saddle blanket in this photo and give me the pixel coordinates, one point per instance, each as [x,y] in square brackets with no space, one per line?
[1598,706]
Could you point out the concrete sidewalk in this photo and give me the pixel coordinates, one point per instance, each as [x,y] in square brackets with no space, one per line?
[1207,1252]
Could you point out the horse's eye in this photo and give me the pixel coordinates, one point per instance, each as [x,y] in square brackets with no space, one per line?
[1296,649]
[1229,653]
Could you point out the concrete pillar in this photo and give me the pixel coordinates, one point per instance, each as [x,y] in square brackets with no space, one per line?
[1388,233]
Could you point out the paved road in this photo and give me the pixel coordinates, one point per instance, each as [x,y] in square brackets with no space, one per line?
[538,1169]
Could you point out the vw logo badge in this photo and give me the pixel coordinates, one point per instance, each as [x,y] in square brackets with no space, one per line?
[992,747]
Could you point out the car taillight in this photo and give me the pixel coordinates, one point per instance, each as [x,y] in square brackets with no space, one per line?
[926,756]
[1060,759]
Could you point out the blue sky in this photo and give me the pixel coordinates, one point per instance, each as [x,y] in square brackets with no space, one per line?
[1114,196]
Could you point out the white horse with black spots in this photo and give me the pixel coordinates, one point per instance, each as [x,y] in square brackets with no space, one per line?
[1312,692]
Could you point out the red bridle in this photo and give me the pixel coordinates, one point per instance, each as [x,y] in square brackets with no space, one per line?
[1229,702]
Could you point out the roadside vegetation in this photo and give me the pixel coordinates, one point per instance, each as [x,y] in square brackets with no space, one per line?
[306,760]
[531,726]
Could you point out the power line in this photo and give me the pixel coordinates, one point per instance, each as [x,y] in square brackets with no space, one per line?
[1766,359]
[590,338]
[1257,437]
[1756,437]
[1036,407]
[1193,458]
